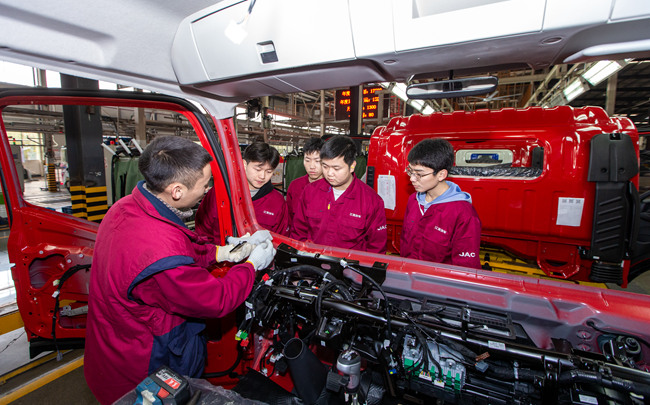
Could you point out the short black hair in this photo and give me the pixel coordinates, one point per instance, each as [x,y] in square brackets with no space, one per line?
[262,152]
[312,145]
[339,145]
[436,154]
[169,159]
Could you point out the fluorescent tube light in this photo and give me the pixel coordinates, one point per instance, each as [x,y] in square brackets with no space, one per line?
[601,71]
[574,89]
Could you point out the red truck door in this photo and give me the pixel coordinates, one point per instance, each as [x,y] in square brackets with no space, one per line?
[51,251]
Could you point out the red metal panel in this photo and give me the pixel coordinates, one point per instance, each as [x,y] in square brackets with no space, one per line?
[517,213]
[43,244]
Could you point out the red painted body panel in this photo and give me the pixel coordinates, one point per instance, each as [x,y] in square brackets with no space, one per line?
[42,245]
[517,213]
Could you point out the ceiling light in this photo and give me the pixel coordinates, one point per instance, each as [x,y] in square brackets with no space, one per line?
[236,31]
[601,71]
[417,104]
[400,91]
[558,99]
[574,89]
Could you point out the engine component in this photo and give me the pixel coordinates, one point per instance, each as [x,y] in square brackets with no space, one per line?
[416,350]
[444,371]
[308,373]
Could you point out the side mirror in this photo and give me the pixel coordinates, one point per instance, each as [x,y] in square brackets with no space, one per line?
[452,88]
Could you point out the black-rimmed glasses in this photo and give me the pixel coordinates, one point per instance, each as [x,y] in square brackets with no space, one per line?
[417,175]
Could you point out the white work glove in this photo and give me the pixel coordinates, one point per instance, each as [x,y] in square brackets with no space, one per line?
[234,241]
[257,238]
[228,253]
[262,255]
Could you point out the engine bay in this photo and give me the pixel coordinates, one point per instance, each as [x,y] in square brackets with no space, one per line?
[343,337]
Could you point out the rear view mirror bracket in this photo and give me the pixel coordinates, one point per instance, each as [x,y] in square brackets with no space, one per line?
[452,88]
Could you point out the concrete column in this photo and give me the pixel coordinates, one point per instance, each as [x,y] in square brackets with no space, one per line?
[40,80]
[610,99]
[322,113]
[356,110]
[266,120]
[140,125]
[83,134]
[380,107]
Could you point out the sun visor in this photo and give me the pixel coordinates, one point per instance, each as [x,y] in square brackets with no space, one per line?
[241,39]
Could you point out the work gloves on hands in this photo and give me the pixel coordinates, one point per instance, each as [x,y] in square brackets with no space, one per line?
[262,255]
[240,248]
[257,238]
[234,252]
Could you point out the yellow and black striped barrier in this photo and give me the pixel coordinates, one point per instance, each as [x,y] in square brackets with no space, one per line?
[52,184]
[90,203]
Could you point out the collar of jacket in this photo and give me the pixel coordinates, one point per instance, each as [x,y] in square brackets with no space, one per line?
[162,209]
[264,190]
[348,193]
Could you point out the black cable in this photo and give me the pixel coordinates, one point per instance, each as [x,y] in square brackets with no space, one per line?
[266,353]
[68,273]
[423,358]
[217,374]
[381,290]
[311,333]
[508,373]
[302,267]
[319,299]
[276,274]
[592,377]
[460,348]
[427,312]
[425,347]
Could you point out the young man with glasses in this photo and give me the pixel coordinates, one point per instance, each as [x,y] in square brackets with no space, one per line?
[339,209]
[440,223]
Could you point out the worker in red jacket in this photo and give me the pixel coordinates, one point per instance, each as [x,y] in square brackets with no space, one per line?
[150,288]
[311,161]
[260,160]
[340,210]
[440,223]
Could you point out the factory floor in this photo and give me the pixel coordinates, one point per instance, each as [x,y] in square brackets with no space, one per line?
[44,380]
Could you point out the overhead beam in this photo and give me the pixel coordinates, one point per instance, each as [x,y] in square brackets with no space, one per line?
[523,79]
[556,72]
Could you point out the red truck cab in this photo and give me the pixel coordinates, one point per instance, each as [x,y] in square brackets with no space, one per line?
[554,186]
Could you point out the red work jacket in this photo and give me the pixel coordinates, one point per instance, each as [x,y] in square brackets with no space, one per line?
[356,220]
[294,192]
[446,233]
[270,211]
[149,291]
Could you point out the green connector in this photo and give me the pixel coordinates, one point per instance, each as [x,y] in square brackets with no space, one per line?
[433,372]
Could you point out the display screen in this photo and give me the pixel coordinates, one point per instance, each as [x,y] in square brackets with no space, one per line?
[370,103]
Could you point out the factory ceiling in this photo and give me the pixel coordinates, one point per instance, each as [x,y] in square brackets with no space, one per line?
[293,117]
